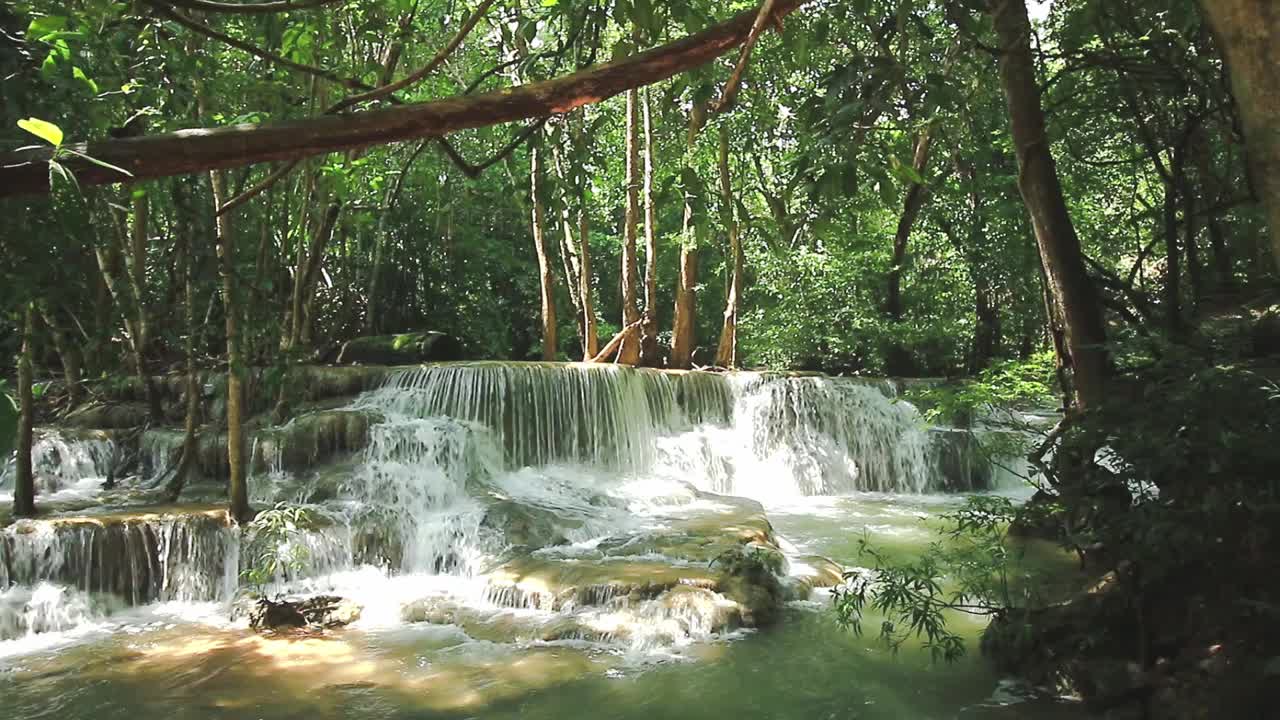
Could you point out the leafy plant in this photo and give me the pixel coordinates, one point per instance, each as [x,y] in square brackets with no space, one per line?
[272,548]
[968,571]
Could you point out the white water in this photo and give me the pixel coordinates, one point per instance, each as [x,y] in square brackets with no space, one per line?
[66,465]
[597,451]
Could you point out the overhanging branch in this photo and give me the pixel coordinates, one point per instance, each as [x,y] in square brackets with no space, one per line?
[197,150]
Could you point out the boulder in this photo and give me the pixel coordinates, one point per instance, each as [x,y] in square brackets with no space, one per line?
[403,349]
[317,612]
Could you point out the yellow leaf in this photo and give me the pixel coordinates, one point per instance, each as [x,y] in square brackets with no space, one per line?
[42,129]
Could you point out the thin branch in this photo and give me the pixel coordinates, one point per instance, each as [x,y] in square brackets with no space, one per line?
[262,8]
[425,70]
[169,12]
[279,174]
[473,171]
[730,93]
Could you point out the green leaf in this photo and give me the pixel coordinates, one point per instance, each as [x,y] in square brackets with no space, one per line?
[78,74]
[42,27]
[43,129]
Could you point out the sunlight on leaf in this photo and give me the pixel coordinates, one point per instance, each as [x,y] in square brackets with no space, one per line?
[43,129]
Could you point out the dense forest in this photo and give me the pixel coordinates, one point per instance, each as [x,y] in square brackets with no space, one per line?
[1071,205]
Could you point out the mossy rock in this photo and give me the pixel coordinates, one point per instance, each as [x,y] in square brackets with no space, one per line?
[108,416]
[528,526]
[403,349]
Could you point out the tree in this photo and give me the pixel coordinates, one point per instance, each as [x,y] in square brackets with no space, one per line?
[1070,288]
[1249,33]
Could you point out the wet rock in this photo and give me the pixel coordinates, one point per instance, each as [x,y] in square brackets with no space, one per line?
[318,612]
[403,349]
[527,526]
[811,572]
[958,458]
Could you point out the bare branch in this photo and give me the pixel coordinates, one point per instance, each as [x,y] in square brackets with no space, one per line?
[261,8]
[167,11]
[425,70]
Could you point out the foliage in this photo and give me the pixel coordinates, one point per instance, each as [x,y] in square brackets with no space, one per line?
[1009,385]
[272,547]
[969,570]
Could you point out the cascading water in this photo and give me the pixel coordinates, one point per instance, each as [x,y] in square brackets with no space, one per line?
[67,464]
[469,466]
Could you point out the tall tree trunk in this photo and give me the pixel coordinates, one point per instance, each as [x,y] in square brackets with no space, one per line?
[546,275]
[238,488]
[569,251]
[108,257]
[24,486]
[1067,281]
[136,262]
[986,337]
[68,355]
[305,275]
[685,331]
[590,331]
[629,354]
[650,353]
[187,457]
[727,352]
[917,194]
[1172,262]
[323,241]
[390,58]
[1249,33]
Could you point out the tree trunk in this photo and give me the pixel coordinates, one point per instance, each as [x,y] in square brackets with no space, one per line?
[1067,281]
[1172,262]
[986,338]
[69,356]
[187,457]
[650,353]
[238,482]
[727,352]
[684,333]
[1249,33]
[917,194]
[24,486]
[630,352]
[108,257]
[546,275]
[592,335]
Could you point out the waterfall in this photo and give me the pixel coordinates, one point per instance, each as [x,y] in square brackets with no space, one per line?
[139,558]
[67,463]
[444,471]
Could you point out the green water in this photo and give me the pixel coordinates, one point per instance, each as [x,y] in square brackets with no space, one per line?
[159,665]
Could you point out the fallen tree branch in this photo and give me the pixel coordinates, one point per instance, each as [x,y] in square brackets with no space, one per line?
[611,349]
[261,8]
[197,150]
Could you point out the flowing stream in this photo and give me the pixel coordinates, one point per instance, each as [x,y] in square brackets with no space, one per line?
[525,540]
